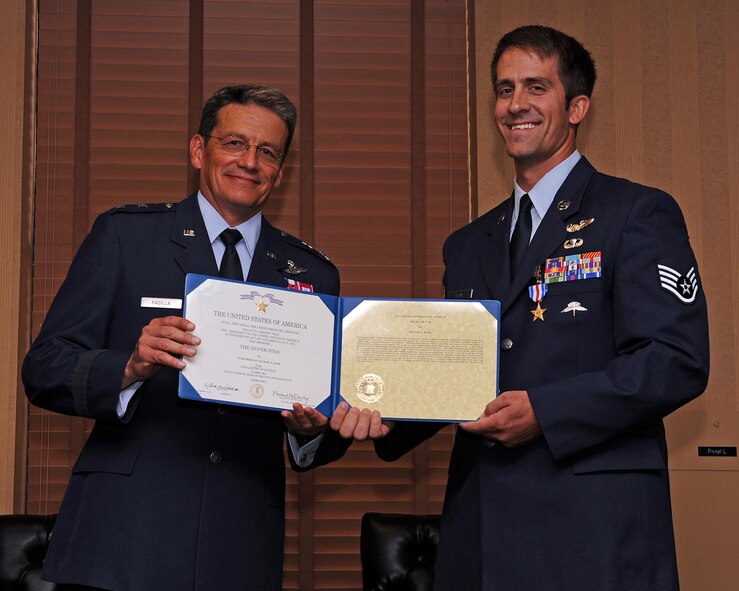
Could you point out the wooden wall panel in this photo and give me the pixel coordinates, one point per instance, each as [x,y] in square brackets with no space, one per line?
[16,161]
[664,113]
[376,176]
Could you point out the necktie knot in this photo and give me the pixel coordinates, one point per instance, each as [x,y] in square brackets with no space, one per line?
[231,263]
[230,236]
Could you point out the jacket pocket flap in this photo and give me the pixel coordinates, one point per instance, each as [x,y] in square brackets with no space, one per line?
[108,454]
[632,453]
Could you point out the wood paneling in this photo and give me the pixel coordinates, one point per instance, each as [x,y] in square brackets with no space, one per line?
[16,161]
[376,177]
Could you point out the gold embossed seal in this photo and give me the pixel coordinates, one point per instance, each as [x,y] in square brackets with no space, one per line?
[370,388]
[257,390]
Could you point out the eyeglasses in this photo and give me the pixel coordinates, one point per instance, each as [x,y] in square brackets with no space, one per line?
[238,147]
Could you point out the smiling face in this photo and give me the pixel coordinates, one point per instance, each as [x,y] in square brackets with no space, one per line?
[238,186]
[532,115]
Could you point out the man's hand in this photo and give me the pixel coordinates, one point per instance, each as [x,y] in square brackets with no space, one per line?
[509,419]
[304,422]
[160,342]
[353,423]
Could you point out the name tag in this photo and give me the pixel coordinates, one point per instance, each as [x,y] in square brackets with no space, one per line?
[171,303]
[459,294]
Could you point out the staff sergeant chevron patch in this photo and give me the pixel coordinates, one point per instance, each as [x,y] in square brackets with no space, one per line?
[683,287]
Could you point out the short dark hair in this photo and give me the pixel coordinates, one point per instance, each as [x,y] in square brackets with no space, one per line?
[249,94]
[576,66]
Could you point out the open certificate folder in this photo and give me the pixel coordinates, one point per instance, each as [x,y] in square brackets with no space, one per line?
[267,347]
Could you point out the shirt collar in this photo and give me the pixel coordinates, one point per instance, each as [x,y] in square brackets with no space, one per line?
[542,193]
[215,224]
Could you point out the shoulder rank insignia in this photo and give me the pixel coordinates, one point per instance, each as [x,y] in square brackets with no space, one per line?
[683,287]
[304,245]
[143,207]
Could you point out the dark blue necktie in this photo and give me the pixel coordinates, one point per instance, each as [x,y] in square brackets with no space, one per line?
[230,263]
[521,233]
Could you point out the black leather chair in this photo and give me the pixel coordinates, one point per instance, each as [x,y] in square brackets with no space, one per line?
[23,543]
[398,551]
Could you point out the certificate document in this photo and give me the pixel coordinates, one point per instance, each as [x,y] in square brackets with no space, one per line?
[420,359]
[260,345]
[269,347]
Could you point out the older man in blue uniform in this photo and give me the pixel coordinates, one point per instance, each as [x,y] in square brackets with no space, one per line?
[168,493]
[562,483]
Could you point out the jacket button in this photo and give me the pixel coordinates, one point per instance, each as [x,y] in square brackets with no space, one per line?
[506,344]
[489,443]
[221,409]
[215,457]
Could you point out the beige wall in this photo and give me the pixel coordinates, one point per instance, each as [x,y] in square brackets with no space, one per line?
[664,113]
[14,247]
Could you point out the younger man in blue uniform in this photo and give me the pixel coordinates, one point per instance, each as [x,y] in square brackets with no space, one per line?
[562,483]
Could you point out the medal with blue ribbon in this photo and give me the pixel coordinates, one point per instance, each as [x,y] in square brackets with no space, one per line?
[537,291]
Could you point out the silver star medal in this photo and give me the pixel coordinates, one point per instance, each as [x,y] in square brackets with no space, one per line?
[537,291]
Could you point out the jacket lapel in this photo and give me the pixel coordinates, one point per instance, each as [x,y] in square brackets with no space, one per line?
[190,233]
[269,257]
[197,255]
[495,260]
[552,232]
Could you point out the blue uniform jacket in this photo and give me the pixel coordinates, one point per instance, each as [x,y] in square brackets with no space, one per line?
[587,505]
[150,506]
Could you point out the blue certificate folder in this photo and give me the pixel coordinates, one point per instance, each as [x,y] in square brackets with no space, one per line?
[268,347]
